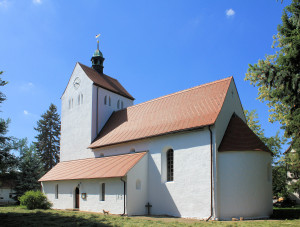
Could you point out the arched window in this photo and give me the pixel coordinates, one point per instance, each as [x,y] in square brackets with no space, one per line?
[138,185]
[118,104]
[103,192]
[78,101]
[81,98]
[105,100]
[69,103]
[72,103]
[132,150]
[56,191]
[109,101]
[122,105]
[170,165]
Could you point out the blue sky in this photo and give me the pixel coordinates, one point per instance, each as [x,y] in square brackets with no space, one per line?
[152,47]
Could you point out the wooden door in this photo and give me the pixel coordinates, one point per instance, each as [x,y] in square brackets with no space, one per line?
[77,198]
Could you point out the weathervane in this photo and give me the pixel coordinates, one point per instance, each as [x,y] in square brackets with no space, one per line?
[97,36]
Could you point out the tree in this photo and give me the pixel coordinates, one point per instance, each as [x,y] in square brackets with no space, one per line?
[278,78]
[47,145]
[8,161]
[30,168]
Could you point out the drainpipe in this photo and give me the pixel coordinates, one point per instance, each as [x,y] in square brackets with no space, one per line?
[211,176]
[124,196]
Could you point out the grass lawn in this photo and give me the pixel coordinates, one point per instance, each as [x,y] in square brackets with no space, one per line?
[19,216]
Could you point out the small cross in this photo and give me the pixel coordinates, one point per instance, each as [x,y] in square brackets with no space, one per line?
[148,207]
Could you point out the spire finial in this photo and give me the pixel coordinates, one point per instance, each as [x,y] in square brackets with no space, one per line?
[97,36]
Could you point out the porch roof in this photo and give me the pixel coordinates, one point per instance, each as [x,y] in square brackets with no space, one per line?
[92,168]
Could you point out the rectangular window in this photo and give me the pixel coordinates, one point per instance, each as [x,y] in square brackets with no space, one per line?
[56,191]
[170,165]
[103,192]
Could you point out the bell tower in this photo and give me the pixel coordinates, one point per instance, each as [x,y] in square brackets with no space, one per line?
[97,60]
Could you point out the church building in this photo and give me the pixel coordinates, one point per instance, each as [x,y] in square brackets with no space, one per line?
[187,154]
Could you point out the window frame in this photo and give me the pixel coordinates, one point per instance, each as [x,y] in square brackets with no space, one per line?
[170,165]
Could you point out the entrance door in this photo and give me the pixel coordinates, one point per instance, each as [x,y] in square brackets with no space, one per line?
[77,198]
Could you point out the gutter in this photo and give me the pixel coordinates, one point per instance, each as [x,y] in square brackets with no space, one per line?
[211,176]
[124,197]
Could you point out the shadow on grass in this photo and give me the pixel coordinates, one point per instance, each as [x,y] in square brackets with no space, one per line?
[286,213]
[40,218]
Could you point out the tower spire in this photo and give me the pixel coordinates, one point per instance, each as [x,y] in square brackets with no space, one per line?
[98,59]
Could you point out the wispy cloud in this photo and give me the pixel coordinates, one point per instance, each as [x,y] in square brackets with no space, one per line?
[37,1]
[27,87]
[230,12]
[26,112]
[3,3]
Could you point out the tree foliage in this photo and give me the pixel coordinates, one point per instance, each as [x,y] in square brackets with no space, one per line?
[278,76]
[8,161]
[47,145]
[30,168]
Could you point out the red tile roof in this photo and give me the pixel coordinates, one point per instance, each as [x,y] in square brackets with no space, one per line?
[93,168]
[185,110]
[239,137]
[105,81]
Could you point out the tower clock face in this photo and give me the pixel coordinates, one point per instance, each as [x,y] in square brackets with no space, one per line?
[76,83]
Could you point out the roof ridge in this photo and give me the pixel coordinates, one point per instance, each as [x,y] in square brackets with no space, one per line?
[179,92]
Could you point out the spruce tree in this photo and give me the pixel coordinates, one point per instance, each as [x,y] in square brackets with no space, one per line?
[8,161]
[30,168]
[47,145]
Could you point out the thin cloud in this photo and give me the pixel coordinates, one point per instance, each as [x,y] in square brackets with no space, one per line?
[27,87]
[37,1]
[3,3]
[26,112]
[230,12]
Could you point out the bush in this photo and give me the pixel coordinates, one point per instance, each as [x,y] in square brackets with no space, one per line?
[35,200]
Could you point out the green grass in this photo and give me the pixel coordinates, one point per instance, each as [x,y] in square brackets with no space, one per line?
[20,216]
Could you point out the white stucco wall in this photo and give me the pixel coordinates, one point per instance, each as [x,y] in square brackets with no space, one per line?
[189,194]
[4,195]
[113,203]
[232,104]
[105,111]
[76,121]
[137,197]
[125,148]
[245,184]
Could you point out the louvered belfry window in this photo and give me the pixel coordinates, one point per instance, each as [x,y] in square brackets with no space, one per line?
[170,165]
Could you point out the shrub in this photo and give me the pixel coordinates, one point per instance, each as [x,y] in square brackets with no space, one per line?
[35,200]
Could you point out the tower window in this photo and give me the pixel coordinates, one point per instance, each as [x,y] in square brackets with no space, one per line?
[122,105]
[81,98]
[132,150]
[118,104]
[69,103]
[109,101]
[105,100]
[72,103]
[170,165]
[78,101]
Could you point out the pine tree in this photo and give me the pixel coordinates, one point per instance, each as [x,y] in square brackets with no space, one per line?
[47,145]
[30,168]
[8,161]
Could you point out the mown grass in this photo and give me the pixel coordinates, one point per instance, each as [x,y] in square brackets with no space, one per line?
[20,216]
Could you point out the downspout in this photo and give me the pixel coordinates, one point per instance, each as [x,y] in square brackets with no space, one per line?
[211,176]
[124,197]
